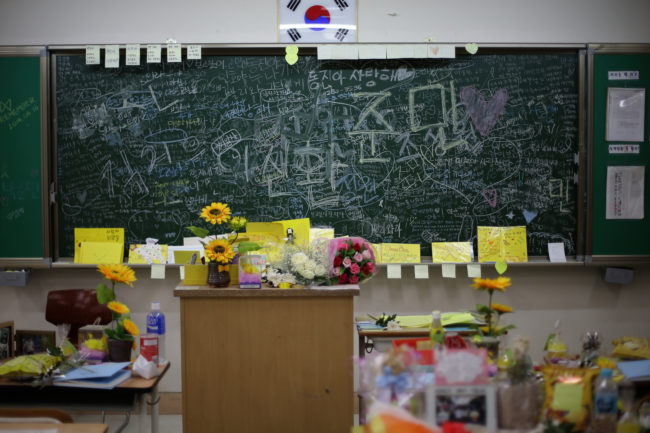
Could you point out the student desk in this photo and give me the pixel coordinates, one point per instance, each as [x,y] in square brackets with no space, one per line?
[267,360]
[60,428]
[125,397]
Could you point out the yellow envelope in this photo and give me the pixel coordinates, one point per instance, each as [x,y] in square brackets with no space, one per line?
[143,253]
[502,244]
[195,275]
[97,235]
[183,257]
[101,253]
[400,253]
[451,252]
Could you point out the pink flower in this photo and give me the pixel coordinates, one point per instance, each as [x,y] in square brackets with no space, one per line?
[366,254]
[369,268]
[336,271]
[354,279]
[355,269]
[357,257]
[347,262]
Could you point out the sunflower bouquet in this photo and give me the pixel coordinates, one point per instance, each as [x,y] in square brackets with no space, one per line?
[121,327]
[492,311]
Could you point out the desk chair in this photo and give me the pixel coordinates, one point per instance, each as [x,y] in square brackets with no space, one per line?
[34,416]
[76,307]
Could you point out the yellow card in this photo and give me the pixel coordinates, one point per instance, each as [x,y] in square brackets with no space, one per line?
[502,244]
[97,235]
[567,397]
[300,229]
[145,253]
[101,253]
[183,257]
[196,275]
[451,252]
[376,249]
[515,248]
[263,232]
[321,232]
[400,253]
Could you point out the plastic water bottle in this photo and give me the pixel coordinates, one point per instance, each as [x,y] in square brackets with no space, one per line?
[605,403]
[156,325]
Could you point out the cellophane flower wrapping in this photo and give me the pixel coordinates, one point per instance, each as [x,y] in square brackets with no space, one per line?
[394,377]
[308,265]
[352,260]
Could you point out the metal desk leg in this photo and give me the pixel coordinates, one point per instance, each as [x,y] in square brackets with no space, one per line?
[142,412]
[155,399]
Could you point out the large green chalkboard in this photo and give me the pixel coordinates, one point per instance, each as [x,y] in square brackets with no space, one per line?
[21,208]
[409,151]
[617,237]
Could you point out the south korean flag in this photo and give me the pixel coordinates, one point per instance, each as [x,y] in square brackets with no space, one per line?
[318,21]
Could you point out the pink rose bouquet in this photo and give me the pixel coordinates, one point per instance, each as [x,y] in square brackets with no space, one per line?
[353,260]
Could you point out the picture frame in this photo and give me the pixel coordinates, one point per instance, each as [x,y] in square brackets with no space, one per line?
[472,404]
[29,342]
[6,340]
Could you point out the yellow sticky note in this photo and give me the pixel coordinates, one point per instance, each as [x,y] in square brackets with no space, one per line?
[97,235]
[567,397]
[158,271]
[300,229]
[145,253]
[101,253]
[195,275]
[183,257]
[448,270]
[421,272]
[400,253]
[502,244]
[451,252]
[394,271]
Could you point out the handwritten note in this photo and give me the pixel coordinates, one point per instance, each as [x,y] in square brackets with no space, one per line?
[101,253]
[421,272]
[448,270]
[97,235]
[132,55]
[93,56]
[451,252]
[393,271]
[112,56]
[194,52]
[158,272]
[474,271]
[153,53]
[400,253]
[174,53]
[502,244]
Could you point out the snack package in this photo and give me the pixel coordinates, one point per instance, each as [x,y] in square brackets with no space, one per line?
[568,394]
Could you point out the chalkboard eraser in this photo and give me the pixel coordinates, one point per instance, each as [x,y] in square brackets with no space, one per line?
[619,275]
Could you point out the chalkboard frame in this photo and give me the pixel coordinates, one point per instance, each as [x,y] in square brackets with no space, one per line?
[44,259]
[278,49]
[595,193]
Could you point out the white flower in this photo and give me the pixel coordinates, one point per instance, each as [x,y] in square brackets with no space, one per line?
[306,273]
[320,270]
[298,259]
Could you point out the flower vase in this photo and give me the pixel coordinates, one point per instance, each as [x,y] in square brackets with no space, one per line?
[519,404]
[491,344]
[217,276]
[119,350]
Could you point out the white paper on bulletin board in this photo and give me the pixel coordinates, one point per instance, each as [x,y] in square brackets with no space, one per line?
[624,196]
[625,114]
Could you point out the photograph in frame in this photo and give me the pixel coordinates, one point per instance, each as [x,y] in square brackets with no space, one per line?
[30,342]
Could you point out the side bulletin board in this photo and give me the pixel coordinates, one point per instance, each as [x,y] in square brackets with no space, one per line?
[621,154]
[408,151]
[23,222]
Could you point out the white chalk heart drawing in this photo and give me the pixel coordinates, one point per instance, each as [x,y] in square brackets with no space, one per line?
[484,114]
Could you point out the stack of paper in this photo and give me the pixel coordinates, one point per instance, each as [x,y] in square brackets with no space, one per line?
[105,376]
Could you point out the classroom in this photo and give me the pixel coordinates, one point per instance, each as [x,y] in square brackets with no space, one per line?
[575,293]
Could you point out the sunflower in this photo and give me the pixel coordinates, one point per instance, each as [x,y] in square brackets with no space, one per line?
[500,308]
[131,327]
[500,284]
[117,273]
[219,250]
[238,223]
[216,213]
[118,307]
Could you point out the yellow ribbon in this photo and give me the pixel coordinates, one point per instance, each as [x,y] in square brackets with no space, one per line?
[223,268]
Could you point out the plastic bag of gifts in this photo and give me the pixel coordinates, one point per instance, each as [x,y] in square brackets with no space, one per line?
[352,259]
[394,377]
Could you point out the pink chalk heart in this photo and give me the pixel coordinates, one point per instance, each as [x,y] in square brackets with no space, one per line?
[484,114]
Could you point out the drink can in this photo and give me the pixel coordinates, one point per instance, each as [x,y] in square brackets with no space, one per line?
[149,347]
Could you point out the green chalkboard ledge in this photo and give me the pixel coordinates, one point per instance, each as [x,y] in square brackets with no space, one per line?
[609,260]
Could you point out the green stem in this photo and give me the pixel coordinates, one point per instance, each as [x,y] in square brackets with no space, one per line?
[489,313]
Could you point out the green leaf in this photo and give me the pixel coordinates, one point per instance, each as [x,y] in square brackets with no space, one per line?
[104,294]
[484,309]
[246,246]
[198,231]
